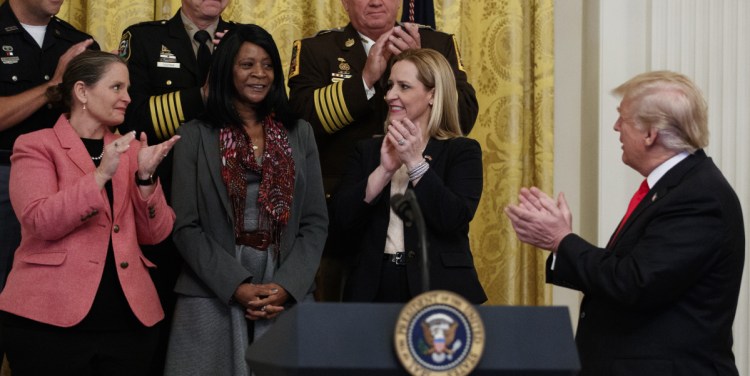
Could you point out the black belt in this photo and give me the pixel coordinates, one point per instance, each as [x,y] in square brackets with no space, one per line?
[399,258]
[257,239]
[5,157]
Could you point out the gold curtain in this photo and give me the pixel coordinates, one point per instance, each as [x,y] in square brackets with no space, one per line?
[507,48]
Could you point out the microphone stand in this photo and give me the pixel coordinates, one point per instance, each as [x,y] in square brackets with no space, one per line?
[407,208]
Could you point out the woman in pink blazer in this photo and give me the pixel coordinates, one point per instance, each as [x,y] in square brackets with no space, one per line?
[79,299]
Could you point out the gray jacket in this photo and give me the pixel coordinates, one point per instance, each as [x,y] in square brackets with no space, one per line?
[204,232]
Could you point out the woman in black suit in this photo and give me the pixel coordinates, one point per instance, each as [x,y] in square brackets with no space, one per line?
[423,150]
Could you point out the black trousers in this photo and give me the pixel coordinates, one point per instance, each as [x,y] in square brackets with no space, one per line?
[48,350]
[394,284]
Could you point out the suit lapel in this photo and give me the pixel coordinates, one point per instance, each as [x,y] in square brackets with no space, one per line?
[71,142]
[671,179]
[210,147]
[76,152]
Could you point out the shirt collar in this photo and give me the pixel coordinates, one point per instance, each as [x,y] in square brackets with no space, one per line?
[191,28]
[366,42]
[663,168]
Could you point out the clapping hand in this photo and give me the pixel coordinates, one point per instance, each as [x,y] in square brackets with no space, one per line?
[149,157]
[539,220]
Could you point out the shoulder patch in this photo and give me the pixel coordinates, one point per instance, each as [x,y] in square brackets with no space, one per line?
[124,48]
[294,63]
[458,54]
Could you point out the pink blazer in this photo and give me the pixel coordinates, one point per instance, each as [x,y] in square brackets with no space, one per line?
[66,224]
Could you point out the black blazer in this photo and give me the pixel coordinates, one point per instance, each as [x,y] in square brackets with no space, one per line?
[448,195]
[661,300]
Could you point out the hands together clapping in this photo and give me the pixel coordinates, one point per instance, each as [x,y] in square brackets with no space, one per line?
[403,144]
[393,42]
[149,157]
[539,220]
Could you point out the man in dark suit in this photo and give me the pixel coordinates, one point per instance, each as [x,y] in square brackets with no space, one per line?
[337,82]
[166,91]
[660,299]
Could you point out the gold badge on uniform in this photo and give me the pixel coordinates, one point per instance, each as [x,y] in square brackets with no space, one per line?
[167,59]
[343,65]
[349,42]
[344,71]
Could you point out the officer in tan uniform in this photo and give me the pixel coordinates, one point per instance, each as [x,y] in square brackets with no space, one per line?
[337,80]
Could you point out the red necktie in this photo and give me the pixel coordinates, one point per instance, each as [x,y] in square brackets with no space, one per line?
[637,197]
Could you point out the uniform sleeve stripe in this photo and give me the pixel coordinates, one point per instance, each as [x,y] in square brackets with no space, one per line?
[160,117]
[331,107]
[172,113]
[332,102]
[178,104]
[320,108]
[167,126]
[154,117]
[343,110]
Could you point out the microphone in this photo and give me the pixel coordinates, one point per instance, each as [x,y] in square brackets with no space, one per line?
[406,207]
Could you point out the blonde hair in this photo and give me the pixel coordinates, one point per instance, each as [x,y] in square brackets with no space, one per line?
[670,103]
[434,72]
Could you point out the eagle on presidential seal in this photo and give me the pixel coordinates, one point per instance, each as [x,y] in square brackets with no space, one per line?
[439,332]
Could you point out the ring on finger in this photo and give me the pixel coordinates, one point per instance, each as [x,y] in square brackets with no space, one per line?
[263,309]
[401,142]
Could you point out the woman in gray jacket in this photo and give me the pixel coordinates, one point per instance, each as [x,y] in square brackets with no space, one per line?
[251,213]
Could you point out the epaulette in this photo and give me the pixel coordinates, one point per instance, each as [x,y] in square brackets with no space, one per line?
[64,24]
[322,32]
[149,23]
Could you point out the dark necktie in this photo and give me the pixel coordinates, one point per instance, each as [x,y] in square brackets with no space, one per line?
[204,55]
[637,197]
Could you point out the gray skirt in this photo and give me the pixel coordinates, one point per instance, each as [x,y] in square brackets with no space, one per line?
[209,337]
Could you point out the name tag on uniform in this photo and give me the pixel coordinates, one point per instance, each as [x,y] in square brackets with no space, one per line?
[164,64]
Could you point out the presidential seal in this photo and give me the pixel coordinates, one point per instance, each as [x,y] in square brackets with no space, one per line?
[439,333]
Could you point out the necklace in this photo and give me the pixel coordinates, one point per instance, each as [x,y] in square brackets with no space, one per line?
[99,157]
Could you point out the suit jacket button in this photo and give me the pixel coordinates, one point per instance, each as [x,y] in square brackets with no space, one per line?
[116,229]
[583,315]
[124,264]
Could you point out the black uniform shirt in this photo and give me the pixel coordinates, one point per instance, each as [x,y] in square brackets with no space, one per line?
[24,65]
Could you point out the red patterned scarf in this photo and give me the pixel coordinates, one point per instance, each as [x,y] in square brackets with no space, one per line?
[277,176]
